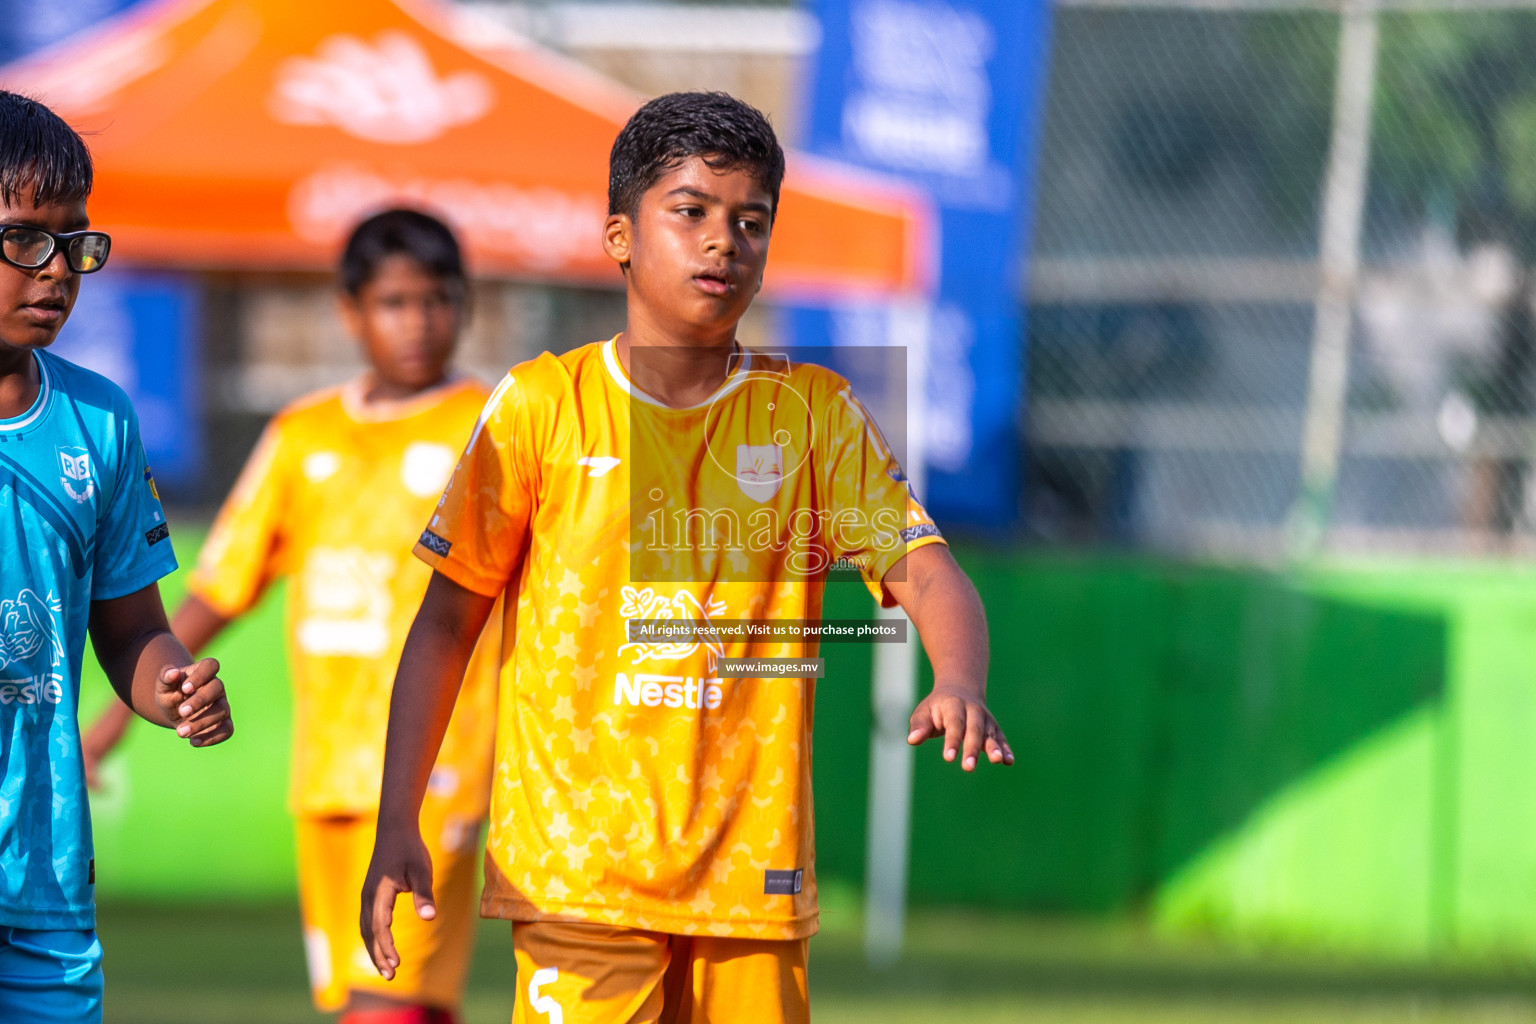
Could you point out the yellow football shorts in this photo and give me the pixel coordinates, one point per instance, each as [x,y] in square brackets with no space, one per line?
[434,955]
[576,973]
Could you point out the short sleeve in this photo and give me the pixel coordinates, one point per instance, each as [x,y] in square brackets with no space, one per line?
[479,530]
[875,518]
[133,546]
[236,563]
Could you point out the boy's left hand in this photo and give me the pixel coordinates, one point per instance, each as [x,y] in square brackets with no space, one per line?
[960,715]
[193,702]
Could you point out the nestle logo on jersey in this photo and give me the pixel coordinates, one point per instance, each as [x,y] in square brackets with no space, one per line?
[435,544]
[651,690]
[35,690]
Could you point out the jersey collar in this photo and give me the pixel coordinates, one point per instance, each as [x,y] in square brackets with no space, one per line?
[39,404]
[381,412]
[616,371]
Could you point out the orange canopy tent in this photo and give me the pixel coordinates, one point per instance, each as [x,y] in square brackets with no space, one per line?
[246,134]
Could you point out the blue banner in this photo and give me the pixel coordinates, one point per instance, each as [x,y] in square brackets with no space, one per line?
[947,94]
[27,25]
[140,331]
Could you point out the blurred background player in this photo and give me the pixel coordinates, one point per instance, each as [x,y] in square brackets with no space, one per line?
[331,498]
[652,833]
[83,543]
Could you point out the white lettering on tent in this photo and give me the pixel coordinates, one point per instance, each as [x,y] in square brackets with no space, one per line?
[385,92]
[543,228]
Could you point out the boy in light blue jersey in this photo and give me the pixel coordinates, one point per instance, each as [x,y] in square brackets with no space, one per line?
[83,541]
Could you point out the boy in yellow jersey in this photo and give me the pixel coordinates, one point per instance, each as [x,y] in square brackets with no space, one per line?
[331,498]
[651,825]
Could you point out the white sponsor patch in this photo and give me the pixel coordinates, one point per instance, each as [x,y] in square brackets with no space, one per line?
[346,602]
[320,466]
[425,468]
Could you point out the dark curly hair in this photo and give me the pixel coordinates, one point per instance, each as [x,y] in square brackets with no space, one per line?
[412,233]
[40,152]
[718,127]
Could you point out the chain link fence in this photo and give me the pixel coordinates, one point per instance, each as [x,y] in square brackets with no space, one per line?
[1208,192]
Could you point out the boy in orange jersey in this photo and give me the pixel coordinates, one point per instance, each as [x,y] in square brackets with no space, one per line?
[651,826]
[331,498]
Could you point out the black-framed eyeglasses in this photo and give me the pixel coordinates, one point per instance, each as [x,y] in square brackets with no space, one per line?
[29,248]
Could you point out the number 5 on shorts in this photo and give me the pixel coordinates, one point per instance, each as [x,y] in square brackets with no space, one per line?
[545,1004]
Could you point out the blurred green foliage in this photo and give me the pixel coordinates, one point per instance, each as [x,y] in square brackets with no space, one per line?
[1453,132]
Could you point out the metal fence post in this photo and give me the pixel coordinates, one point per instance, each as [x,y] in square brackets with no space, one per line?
[893,696]
[1339,271]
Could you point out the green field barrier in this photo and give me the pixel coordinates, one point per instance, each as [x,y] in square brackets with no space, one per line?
[1421,836]
[1342,757]
[174,823]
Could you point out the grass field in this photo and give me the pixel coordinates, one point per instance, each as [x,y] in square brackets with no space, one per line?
[239,963]
[243,965]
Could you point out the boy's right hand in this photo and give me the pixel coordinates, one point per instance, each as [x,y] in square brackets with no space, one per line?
[193,702]
[400,864]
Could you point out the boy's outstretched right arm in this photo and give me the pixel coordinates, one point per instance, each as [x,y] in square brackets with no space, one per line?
[432,665]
